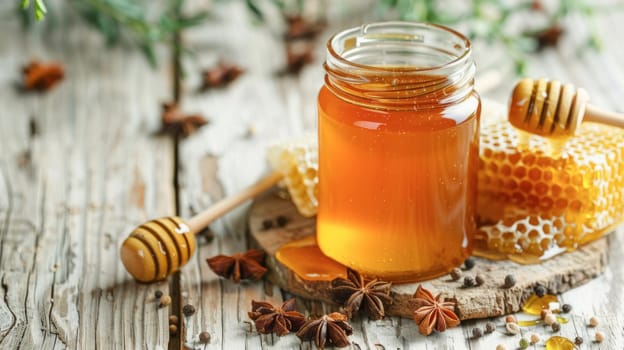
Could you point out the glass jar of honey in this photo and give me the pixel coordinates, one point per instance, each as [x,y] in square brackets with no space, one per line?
[398,150]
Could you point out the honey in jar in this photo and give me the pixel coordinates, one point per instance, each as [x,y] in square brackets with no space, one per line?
[398,150]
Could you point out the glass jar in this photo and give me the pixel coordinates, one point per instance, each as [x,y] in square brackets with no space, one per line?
[398,150]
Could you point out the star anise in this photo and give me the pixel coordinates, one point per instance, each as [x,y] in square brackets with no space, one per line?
[221,75]
[281,320]
[355,292]
[300,28]
[548,37]
[41,76]
[433,313]
[297,56]
[332,330]
[239,266]
[178,123]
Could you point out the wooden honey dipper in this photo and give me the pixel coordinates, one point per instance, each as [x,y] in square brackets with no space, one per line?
[160,247]
[549,108]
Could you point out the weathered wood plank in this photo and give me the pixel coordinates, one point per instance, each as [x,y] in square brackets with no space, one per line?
[559,274]
[94,172]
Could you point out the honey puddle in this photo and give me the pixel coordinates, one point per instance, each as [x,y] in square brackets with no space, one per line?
[304,257]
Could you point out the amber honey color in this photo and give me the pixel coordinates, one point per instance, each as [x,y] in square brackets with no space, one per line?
[397,187]
[533,205]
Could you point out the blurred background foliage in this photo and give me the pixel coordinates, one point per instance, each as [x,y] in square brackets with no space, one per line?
[521,26]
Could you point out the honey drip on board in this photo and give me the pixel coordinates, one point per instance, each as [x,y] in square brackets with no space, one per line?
[529,323]
[559,343]
[304,257]
[534,305]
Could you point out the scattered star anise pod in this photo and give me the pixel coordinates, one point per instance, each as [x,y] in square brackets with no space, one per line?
[239,266]
[178,123]
[548,37]
[332,330]
[536,5]
[281,320]
[42,76]
[355,292]
[297,56]
[433,313]
[300,28]
[221,75]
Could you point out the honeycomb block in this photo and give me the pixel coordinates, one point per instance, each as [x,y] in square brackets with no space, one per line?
[532,205]
[298,162]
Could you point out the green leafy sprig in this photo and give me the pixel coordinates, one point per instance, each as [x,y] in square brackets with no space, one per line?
[489,19]
[127,19]
[38,5]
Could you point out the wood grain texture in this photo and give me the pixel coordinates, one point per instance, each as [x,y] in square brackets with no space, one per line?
[93,172]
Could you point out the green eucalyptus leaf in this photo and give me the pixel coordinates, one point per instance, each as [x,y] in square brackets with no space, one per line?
[186,22]
[255,10]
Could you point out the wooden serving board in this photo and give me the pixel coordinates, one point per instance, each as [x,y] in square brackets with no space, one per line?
[558,274]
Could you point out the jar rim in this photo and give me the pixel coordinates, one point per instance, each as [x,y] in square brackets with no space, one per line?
[382,28]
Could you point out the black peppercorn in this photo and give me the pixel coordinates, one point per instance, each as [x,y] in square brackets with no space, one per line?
[510,281]
[490,327]
[578,340]
[158,294]
[476,333]
[469,263]
[267,224]
[188,310]
[566,308]
[469,281]
[539,290]
[555,327]
[281,221]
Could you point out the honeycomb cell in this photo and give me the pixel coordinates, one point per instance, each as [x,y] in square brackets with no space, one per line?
[519,172]
[528,159]
[534,174]
[525,186]
[541,189]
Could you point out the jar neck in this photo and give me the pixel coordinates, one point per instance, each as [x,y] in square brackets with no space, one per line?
[400,66]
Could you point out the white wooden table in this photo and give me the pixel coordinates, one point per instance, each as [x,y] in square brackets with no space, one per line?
[96,170]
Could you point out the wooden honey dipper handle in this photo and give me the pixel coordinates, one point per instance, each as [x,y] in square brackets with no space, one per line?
[552,109]
[598,115]
[160,247]
[202,219]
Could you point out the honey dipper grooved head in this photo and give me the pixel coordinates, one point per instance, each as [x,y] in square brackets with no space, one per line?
[157,248]
[547,107]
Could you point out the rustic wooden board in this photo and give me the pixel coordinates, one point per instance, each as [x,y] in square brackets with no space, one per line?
[558,274]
